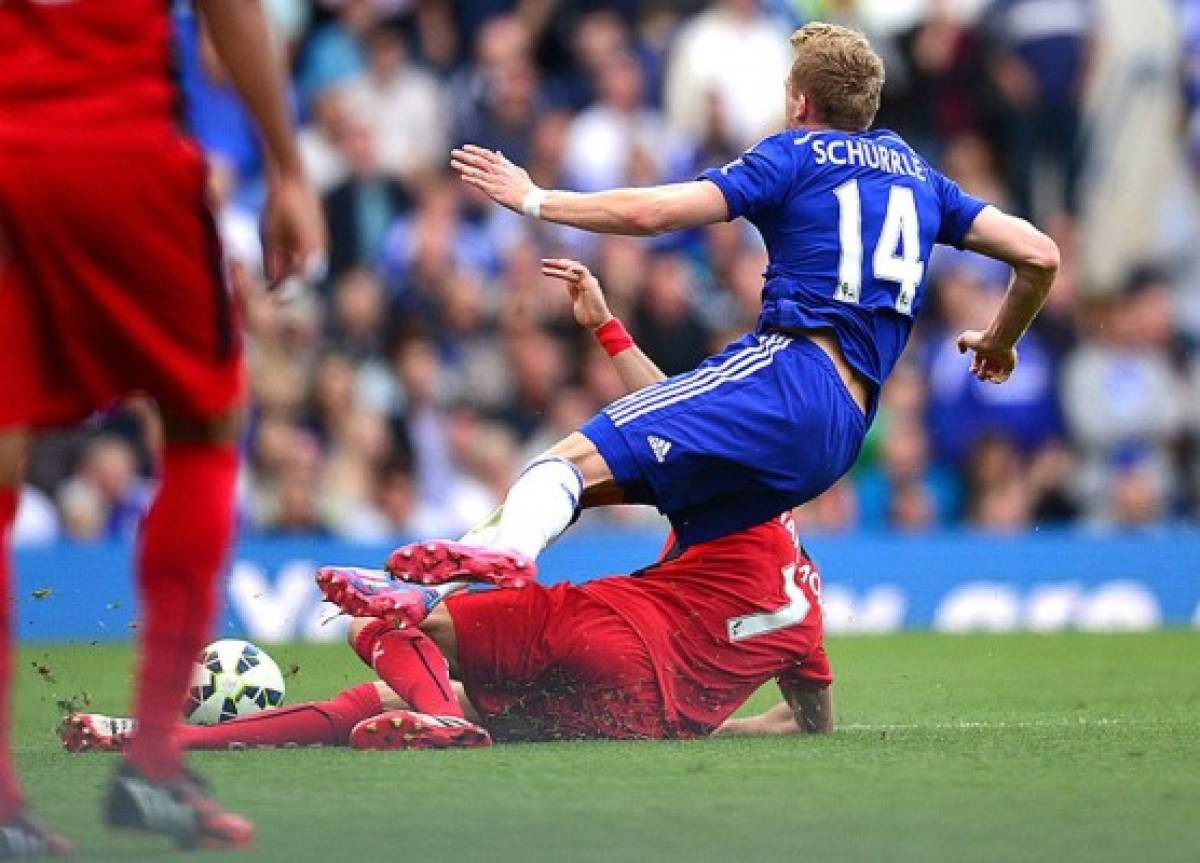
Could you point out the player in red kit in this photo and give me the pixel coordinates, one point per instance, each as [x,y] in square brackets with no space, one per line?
[111,283]
[668,652]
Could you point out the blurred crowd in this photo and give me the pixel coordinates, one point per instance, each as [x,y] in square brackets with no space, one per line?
[401,393]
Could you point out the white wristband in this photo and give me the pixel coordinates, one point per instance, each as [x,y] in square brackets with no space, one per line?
[532,205]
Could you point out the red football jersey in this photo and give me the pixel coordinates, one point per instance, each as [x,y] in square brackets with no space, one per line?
[725,617]
[86,72]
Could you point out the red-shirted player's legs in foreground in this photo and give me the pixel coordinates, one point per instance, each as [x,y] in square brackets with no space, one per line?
[185,539]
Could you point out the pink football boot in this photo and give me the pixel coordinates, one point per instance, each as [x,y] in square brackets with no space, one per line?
[375,593]
[441,560]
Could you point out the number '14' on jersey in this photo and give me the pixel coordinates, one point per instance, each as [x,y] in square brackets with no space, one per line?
[897,255]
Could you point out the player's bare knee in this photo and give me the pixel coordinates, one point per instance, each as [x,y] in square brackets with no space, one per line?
[599,487]
[582,453]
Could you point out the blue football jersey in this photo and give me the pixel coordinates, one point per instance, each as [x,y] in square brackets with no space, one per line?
[849,221]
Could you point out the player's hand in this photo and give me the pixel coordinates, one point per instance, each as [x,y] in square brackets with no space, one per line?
[490,172]
[587,299]
[992,363]
[293,229]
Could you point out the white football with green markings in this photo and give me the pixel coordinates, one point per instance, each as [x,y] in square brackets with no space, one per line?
[232,678]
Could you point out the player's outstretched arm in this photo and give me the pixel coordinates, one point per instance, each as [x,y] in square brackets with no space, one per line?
[803,711]
[293,227]
[1034,259]
[778,720]
[635,369]
[812,709]
[638,212]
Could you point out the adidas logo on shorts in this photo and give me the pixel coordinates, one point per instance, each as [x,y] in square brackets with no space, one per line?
[661,447]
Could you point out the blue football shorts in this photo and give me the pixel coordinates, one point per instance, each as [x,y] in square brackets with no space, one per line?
[754,431]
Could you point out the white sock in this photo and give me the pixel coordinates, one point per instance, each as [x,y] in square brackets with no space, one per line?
[539,506]
[484,533]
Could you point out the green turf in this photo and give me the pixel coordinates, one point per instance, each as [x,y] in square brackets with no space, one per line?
[1065,747]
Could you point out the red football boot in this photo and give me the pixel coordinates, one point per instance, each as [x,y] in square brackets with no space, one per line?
[439,561]
[374,593]
[407,729]
[94,732]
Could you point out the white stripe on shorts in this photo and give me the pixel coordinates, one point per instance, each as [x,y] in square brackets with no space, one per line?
[746,364]
[618,409]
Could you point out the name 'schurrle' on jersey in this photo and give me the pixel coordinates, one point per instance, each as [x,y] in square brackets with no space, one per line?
[849,221]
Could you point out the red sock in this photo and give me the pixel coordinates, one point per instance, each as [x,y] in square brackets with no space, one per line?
[11,799]
[364,642]
[410,663]
[326,722]
[185,539]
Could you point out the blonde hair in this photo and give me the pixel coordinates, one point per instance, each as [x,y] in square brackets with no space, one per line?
[839,72]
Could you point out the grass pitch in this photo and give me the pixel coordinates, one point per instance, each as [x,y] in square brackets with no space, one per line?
[980,748]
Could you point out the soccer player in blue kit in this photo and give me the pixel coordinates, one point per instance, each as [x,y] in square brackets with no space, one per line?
[849,216]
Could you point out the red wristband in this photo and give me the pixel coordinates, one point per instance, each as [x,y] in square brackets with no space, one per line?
[613,337]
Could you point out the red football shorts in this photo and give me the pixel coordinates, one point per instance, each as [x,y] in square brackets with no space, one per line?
[111,284]
[554,664]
